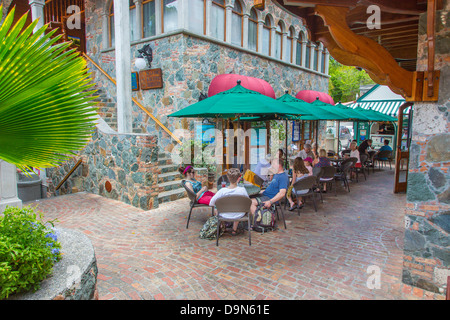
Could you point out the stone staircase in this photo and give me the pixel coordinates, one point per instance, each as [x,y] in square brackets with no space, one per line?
[107,109]
[169,181]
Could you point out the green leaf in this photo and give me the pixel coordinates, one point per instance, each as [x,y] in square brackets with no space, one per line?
[47,110]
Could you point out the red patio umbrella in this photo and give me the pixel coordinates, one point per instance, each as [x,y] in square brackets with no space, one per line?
[311,95]
[224,82]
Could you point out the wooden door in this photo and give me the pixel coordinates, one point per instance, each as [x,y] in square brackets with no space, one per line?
[402,156]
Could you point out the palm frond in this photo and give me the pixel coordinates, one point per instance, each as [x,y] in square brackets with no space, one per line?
[47,110]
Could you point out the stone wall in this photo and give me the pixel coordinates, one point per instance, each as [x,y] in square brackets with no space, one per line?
[129,162]
[427,239]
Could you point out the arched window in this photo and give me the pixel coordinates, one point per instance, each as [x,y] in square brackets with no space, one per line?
[169,15]
[267,36]
[290,45]
[236,24]
[298,56]
[253,30]
[111,25]
[218,13]
[149,18]
[197,14]
[279,42]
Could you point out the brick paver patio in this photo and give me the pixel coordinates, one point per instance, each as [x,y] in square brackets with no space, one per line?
[323,255]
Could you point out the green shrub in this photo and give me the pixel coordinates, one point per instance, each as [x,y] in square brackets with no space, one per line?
[28,250]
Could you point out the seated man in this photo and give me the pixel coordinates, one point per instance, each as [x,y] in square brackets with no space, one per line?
[306,152]
[233,176]
[386,147]
[275,191]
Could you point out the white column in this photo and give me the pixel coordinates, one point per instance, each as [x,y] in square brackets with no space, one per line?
[327,61]
[123,65]
[228,16]
[183,18]
[260,35]
[158,18]
[208,17]
[8,186]
[294,50]
[37,12]
[304,47]
[245,31]
[139,30]
[319,58]
[273,42]
[311,55]
[105,26]
[286,52]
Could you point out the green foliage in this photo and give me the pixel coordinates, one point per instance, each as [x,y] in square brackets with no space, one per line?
[345,81]
[28,250]
[46,110]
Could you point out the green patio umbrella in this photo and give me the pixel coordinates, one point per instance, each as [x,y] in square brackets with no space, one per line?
[343,111]
[239,102]
[314,112]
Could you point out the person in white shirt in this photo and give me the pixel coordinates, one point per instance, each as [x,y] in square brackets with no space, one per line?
[354,153]
[262,167]
[234,177]
[306,152]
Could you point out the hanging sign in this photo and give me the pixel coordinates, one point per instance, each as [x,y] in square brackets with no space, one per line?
[151,79]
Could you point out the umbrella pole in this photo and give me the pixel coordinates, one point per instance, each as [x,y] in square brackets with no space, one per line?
[317,134]
[338,134]
[286,137]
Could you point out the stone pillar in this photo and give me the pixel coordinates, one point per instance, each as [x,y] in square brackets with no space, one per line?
[426,261]
[311,55]
[123,65]
[319,58]
[37,12]
[8,186]
[245,31]
[139,30]
[228,22]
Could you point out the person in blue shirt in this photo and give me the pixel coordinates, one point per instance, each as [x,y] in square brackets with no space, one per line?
[276,190]
[386,147]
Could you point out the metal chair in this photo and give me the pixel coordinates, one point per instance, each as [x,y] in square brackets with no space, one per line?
[362,159]
[305,188]
[344,152]
[384,154]
[318,173]
[327,177]
[194,202]
[230,204]
[341,175]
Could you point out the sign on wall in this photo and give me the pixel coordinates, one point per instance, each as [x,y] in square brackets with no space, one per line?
[151,79]
[134,81]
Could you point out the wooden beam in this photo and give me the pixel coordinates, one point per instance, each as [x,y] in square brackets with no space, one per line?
[367,53]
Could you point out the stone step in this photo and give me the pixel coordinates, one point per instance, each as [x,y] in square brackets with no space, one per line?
[171,195]
[168,168]
[164,161]
[169,176]
[169,185]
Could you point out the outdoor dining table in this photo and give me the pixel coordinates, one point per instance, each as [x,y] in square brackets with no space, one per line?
[337,161]
[251,189]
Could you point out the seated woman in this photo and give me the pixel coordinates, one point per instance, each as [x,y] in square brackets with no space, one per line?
[354,153]
[322,160]
[234,176]
[300,171]
[203,195]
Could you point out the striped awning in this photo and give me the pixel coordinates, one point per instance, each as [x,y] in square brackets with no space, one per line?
[387,107]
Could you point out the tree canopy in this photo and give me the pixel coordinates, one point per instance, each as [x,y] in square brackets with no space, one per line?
[345,81]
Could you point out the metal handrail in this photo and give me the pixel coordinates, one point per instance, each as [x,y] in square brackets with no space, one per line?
[134,100]
[69,174]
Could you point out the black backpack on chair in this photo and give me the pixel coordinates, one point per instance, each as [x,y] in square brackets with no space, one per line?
[264,219]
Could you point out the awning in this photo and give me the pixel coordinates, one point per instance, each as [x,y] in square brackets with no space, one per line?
[224,82]
[389,108]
